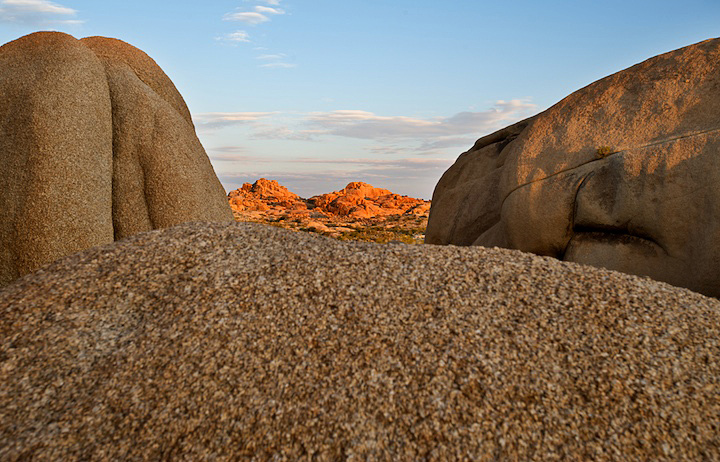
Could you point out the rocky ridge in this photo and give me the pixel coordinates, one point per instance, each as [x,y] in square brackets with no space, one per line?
[358,212]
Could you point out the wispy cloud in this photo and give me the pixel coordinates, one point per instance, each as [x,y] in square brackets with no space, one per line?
[259,15]
[279,65]
[276,61]
[393,134]
[268,10]
[36,13]
[369,161]
[236,154]
[446,142]
[209,121]
[235,37]
[250,17]
[271,57]
[367,125]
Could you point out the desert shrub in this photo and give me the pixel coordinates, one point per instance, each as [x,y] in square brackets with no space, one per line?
[604,151]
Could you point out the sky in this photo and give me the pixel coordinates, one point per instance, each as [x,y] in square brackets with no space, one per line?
[318,93]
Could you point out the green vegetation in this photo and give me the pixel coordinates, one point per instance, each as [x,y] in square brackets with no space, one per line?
[408,229]
[604,151]
[384,235]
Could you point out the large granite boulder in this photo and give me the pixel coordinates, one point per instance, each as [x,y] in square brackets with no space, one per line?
[97,144]
[623,174]
[247,342]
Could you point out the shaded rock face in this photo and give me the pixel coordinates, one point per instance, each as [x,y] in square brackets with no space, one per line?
[97,144]
[168,345]
[623,174]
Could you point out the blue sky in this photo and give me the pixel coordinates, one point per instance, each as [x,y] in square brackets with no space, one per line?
[318,93]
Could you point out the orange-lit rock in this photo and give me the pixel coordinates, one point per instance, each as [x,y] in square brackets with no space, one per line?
[361,200]
[358,212]
[264,195]
[357,200]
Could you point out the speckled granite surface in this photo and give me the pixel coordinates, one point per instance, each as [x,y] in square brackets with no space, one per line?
[239,341]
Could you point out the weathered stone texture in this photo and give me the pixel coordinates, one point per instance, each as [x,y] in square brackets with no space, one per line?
[650,205]
[97,144]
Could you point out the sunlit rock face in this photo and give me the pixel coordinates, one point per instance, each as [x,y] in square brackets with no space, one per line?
[96,144]
[622,174]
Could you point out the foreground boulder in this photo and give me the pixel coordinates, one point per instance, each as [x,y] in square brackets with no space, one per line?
[210,341]
[622,174]
[97,145]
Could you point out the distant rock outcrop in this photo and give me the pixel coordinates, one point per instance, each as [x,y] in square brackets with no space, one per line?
[264,194]
[361,200]
[356,200]
[97,144]
[621,174]
[241,341]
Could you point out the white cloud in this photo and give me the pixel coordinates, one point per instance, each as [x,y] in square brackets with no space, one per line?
[209,121]
[228,149]
[446,142]
[271,57]
[410,162]
[272,2]
[258,16]
[276,132]
[36,13]
[268,10]
[40,6]
[367,125]
[279,65]
[236,37]
[236,154]
[248,17]
[427,134]
[275,61]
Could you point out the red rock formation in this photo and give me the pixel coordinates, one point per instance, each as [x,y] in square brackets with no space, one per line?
[361,200]
[264,195]
[356,200]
